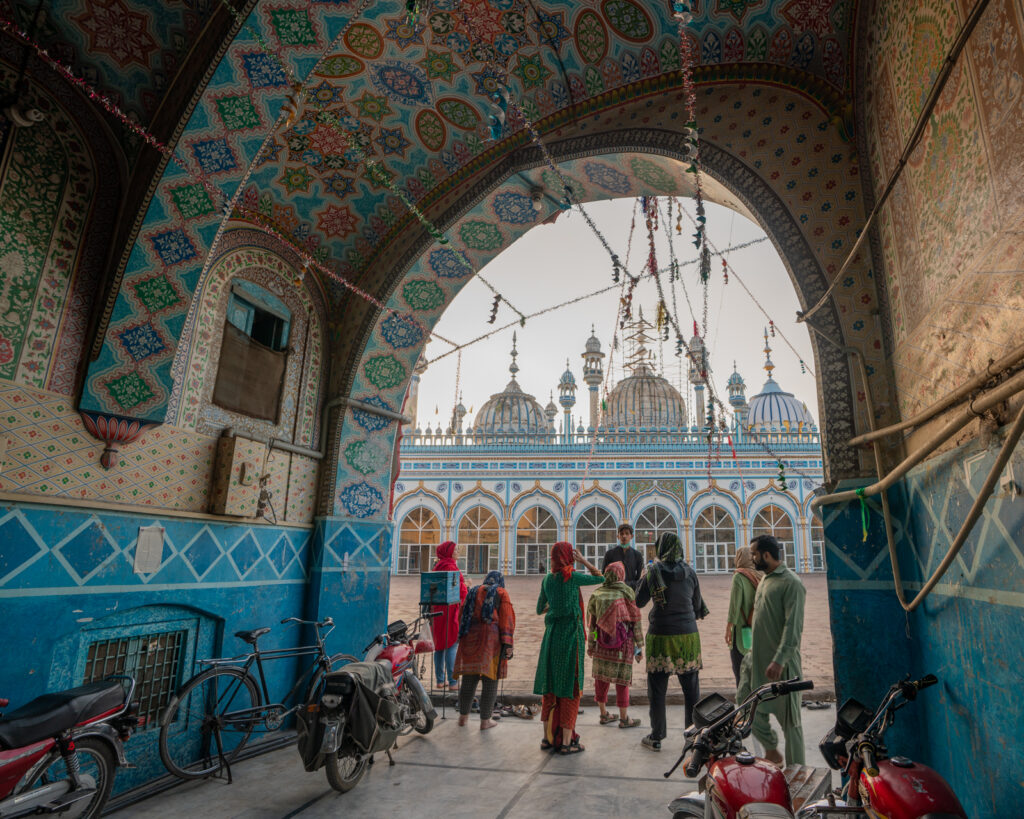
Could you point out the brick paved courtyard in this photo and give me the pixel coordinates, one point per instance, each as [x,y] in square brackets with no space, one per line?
[717,673]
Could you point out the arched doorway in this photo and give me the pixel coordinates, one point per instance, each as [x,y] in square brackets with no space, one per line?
[536,533]
[595,533]
[714,540]
[650,525]
[478,540]
[773,520]
[817,545]
[418,537]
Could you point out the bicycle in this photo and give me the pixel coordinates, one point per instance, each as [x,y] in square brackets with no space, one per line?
[210,718]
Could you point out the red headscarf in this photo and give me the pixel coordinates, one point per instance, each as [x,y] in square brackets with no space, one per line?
[561,559]
[445,558]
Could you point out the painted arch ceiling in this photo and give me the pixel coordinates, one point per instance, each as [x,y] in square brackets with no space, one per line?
[415,95]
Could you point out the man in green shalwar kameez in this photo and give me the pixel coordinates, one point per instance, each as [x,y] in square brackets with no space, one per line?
[775,651]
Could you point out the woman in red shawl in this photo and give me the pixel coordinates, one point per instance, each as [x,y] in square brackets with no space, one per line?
[445,629]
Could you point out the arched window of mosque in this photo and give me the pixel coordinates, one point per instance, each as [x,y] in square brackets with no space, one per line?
[478,541]
[417,541]
[817,545]
[595,533]
[253,356]
[714,540]
[772,520]
[651,523]
[536,533]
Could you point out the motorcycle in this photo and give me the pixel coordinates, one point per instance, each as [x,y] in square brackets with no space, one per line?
[736,786]
[363,707]
[58,753]
[878,785]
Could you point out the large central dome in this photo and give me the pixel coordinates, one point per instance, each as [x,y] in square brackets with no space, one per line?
[645,399]
[512,412]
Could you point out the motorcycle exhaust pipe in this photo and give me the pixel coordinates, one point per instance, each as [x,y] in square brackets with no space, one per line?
[421,693]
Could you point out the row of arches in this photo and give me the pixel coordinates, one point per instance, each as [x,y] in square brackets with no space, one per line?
[521,547]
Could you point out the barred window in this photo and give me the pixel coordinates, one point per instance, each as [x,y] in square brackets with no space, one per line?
[154,660]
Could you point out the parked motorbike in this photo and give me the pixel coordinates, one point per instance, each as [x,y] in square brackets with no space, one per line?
[362,708]
[59,752]
[878,785]
[737,785]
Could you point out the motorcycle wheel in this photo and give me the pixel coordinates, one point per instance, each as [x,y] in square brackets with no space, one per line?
[423,724]
[344,772]
[96,760]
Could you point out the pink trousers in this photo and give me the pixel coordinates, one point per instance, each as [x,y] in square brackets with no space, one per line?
[621,693]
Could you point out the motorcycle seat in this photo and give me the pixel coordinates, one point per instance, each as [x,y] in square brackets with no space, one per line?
[252,636]
[52,714]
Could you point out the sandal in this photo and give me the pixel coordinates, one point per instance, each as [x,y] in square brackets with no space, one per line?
[572,748]
[608,718]
[546,746]
[630,723]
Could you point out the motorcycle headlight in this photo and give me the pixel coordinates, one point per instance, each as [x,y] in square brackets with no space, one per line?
[833,749]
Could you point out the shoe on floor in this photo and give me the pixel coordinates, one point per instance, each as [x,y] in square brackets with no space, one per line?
[651,743]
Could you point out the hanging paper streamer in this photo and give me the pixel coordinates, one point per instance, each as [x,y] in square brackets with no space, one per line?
[616,269]
[782,476]
[705,265]
[863,514]
[494,310]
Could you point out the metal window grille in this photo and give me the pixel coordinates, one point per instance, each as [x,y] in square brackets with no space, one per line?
[154,660]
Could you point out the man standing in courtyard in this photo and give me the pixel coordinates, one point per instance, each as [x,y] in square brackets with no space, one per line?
[778,624]
[629,557]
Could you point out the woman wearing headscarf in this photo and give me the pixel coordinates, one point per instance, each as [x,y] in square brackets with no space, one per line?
[486,628]
[673,644]
[613,640]
[741,608]
[445,629]
[559,677]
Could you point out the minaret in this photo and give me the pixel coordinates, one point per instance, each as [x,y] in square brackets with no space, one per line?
[413,394]
[567,398]
[551,412]
[698,377]
[768,365]
[738,399]
[458,414]
[593,374]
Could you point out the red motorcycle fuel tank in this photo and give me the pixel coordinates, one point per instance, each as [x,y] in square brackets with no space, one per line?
[735,784]
[905,789]
[400,656]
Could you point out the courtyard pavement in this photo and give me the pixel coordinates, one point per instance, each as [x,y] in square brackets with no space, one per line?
[816,646]
[464,772]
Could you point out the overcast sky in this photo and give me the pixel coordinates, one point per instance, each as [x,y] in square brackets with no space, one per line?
[554,263]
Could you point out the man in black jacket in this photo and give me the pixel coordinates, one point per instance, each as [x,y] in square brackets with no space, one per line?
[627,555]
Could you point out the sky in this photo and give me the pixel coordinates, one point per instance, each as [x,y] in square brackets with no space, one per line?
[565,260]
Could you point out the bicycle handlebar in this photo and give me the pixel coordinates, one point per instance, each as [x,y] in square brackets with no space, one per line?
[327,621]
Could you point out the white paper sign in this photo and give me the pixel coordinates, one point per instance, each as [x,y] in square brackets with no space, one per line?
[149,549]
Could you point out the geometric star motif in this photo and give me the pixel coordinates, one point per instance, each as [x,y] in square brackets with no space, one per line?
[403,33]
[551,28]
[337,221]
[737,8]
[372,107]
[532,71]
[392,141]
[297,179]
[439,65]
[121,34]
[810,15]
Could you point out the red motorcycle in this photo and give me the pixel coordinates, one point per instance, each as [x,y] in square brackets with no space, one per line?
[362,708]
[58,753]
[884,787]
[736,786]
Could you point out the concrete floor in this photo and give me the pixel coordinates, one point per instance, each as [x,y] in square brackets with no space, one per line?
[456,772]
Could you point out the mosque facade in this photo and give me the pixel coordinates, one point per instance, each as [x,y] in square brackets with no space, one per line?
[518,477]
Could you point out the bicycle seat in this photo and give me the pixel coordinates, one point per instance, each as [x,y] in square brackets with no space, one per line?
[251,636]
[51,714]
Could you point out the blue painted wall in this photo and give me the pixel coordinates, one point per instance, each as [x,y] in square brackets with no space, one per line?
[66,579]
[967,631]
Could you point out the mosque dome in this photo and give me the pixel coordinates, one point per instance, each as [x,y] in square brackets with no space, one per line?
[512,411]
[775,409]
[735,380]
[567,379]
[593,343]
[645,399]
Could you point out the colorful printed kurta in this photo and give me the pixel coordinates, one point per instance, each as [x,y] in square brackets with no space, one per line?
[612,665]
[560,664]
[479,649]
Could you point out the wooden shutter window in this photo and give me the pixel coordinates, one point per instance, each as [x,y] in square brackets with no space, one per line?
[250,377]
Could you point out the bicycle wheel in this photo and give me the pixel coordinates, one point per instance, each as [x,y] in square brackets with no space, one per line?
[218,705]
[337,661]
[96,762]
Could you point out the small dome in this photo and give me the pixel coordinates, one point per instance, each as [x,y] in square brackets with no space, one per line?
[551,408]
[735,380]
[645,400]
[593,345]
[567,379]
[775,409]
[511,412]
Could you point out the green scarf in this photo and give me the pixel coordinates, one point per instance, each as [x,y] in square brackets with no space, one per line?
[670,550]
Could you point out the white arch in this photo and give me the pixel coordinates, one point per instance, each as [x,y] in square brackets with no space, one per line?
[476,497]
[772,497]
[537,497]
[715,497]
[643,502]
[589,500]
[415,499]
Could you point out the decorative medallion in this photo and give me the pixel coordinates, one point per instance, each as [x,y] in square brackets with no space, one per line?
[384,371]
[402,82]
[628,19]
[365,457]
[480,235]
[364,40]
[514,208]
[591,37]
[371,421]
[607,177]
[422,294]
[361,500]
[430,130]
[449,264]
[340,65]
[401,331]
[459,113]
[654,175]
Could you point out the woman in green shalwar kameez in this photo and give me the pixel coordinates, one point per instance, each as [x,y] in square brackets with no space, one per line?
[559,677]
